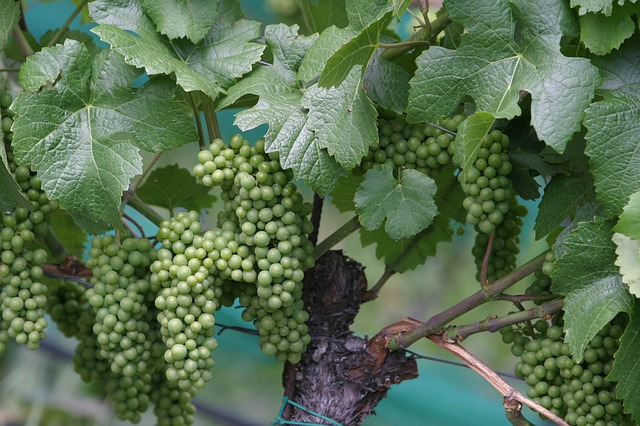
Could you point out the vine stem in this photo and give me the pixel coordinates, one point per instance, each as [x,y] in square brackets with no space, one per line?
[436,323]
[424,34]
[23,44]
[146,171]
[210,118]
[316,215]
[307,16]
[58,35]
[9,69]
[340,234]
[408,43]
[496,323]
[485,261]
[373,292]
[196,114]
[508,391]
[134,201]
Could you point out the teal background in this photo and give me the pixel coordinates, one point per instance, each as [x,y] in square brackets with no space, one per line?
[247,385]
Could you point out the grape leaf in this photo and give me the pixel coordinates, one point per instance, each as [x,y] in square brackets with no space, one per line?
[588,256]
[400,6]
[629,220]
[72,238]
[172,186]
[319,53]
[618,27]
[361,13]
[192,19]
[615,119]
[628,260]
[211,65]
[626,369]
[406,254]
[590,308]
[469,140]
[344,192]
[509,47]
[319,133]
[9,16]
[387,83]
[327,13]
[11,195]
[562,195]
[406,203]
[357,51]
[83,134]
[600,6]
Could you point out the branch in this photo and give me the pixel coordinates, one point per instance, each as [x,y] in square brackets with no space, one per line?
[494,324]
[373,292]
[23,44]
[424,34]
[508,391]
[490,292]
[56,38]
[340,234]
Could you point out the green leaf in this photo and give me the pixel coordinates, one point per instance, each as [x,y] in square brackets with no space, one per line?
[407,203]
[357,51]
[600,6]
[562,195]
[83,134]
[327,13]
[288,47]
[192,19]
[344,192]
[172,186]
[588,256]
[211,65]
[9,16]
[618,27]
[590,308]
[509,47]
[67,232]
[629,221]
[319,133]
[361,13]
[628,260]
[400,6]
[11,195]
[407,253]
[613,136]
[626,369]
[469,140]
[387,83]
[329,41]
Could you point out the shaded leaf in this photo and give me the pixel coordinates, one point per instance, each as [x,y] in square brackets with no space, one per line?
[469,140]
[618,27]
[626,369]
[615,118]
[588,255]
[172,186]
[562,195]
[590,308]
[629,221]
[387,83]
[11,195]
[67,232]
[9,16]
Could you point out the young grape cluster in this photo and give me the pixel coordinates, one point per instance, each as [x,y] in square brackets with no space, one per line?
[423,147]
[23,296]
[262,241]
[504,247]
[486,184]
[542,282]
[576,390]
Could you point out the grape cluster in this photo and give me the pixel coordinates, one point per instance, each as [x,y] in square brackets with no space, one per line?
[66,301]
[262,241]
[121,300]
[576,390]
[189,297]
[486,184]
[504,247]
[6,115]
[413,146]
[23,296]
[542,282]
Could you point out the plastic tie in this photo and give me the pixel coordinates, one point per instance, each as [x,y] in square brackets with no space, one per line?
[281,421]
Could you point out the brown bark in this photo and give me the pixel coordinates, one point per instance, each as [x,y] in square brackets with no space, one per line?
[341,376]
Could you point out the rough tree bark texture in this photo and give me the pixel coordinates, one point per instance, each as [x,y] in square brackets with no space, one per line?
[341,376]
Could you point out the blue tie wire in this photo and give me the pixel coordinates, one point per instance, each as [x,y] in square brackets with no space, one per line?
[281,421]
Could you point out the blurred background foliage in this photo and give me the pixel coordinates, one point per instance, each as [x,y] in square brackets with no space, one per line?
[41,388]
